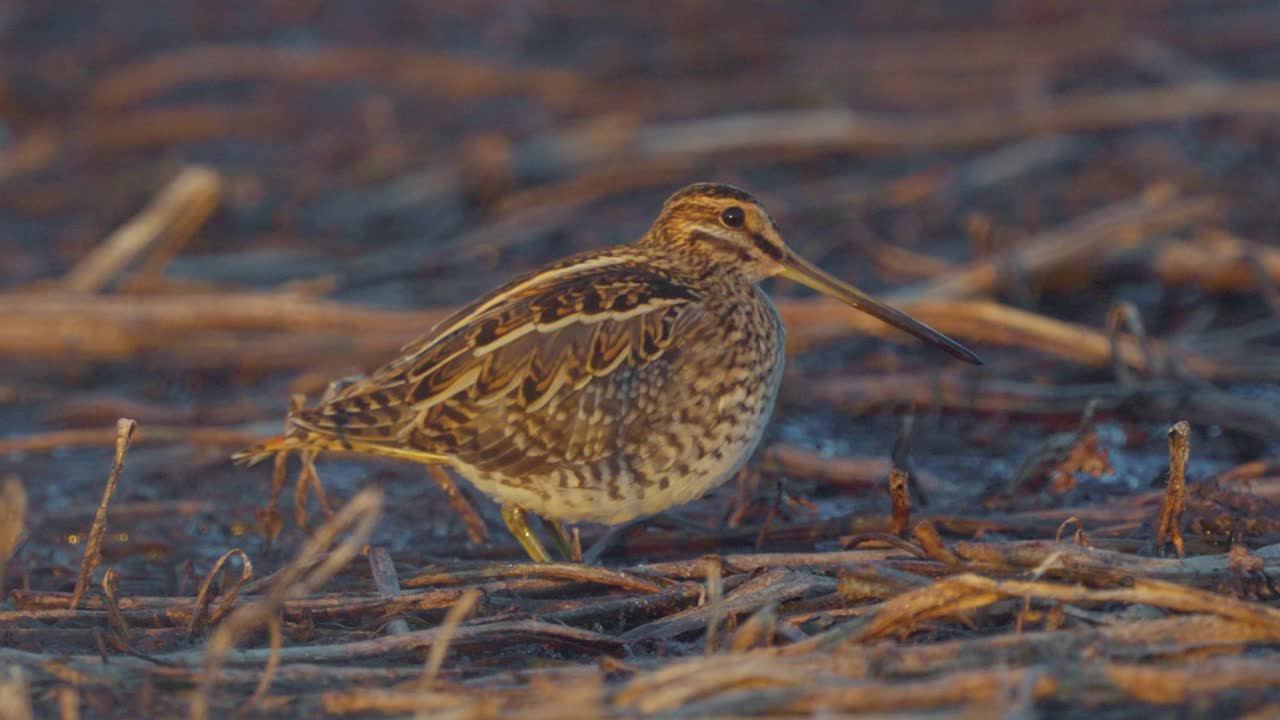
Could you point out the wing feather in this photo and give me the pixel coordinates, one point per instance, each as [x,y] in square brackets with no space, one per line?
[520,345]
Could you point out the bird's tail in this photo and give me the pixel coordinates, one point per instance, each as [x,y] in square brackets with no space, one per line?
[316,442]
[265,450]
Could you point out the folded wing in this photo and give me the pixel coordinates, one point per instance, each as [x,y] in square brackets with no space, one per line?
[546,334]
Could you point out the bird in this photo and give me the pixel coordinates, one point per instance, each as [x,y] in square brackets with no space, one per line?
[608,386]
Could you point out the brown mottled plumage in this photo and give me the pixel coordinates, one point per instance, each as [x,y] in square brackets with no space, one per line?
[609,385]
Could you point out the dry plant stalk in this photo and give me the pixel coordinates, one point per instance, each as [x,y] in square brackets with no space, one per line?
[1054,463]
[864,472]
[166,321]
[387,581]
[200,613]
[757,631]
[13,517]
[901,500]
[1124,315]
[845,128]
[1106,232]
[68,703]
[15,696]
[445,73]
[310,570]
[93,546]
[930,540]
[275,635]
[817,322]
[189,324]
[110,593]
[899,476]
[99,437]
[447,706]
[1217,261]
[1168,686]
[962,658]
[476,530]
[960,594]
[575,545]
[175,214]
[1079,538]
[1169,522]
[715,600]
[116,329]
[29,153]
[440,644]
[634,581]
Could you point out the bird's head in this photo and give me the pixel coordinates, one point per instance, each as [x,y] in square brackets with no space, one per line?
[729,230]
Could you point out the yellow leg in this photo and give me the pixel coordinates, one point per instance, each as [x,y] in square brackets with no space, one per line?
[564,543]
[518,523]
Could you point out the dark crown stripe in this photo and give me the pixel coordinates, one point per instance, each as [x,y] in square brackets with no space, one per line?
[713,190]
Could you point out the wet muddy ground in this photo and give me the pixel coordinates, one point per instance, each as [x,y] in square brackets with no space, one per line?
[206,208]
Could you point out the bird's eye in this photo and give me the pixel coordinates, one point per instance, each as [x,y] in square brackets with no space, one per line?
[733,217]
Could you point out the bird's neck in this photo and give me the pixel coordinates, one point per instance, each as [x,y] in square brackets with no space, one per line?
[695,268]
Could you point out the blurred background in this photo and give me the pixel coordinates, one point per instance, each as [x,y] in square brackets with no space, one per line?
[206,207]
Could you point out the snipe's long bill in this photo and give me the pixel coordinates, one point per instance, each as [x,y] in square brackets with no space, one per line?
[607,386]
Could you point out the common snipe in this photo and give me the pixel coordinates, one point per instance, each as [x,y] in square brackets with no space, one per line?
[606,386]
